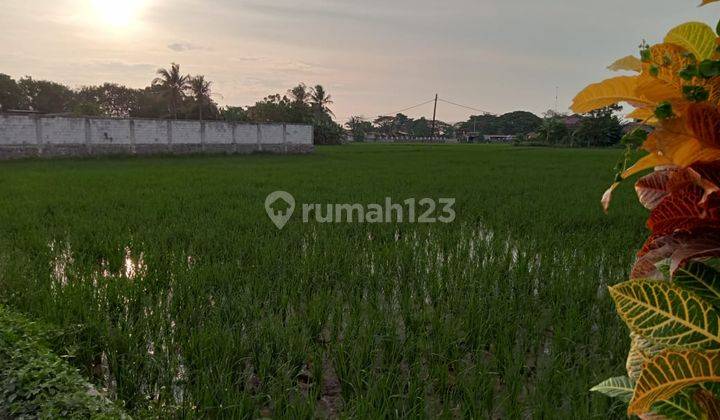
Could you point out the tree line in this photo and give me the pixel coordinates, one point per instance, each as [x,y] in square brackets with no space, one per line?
[171,95]
[599,128]
[602,128]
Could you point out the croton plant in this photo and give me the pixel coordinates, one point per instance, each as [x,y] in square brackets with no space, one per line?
[671,304]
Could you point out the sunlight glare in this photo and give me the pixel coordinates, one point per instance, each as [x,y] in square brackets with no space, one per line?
[117,13]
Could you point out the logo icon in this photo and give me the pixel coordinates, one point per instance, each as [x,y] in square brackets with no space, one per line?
[280,206]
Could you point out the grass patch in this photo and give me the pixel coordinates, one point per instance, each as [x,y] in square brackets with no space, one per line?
[173,277]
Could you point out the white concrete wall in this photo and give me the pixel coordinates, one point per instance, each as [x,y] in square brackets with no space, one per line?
[107,132]
[24,130]
[61,130]
[246,134]
[151,132]
[218,133]
[271,134]
[17,130]
[186,132]
[300,134]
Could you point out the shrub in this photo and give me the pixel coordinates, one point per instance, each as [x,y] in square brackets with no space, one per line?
[672,301]
[36,383]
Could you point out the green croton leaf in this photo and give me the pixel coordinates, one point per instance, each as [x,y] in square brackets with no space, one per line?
[701,279]
[667,314]
[671,372]
[680,406]
[621,388]
[641,350]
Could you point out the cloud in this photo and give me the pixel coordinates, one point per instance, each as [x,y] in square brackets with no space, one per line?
[186,46]
[116,66]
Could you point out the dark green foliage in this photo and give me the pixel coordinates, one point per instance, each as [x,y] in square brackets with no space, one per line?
[599,128]
[11,95]
[635,138]
[709,68]
[554,132]
[47,97]
[36,383]
[695,93]
[359,128]
[689,72]
[664,110]
[234,114]
[298,108]
[513,123]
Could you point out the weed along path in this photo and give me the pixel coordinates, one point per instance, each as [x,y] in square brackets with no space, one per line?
[172,291]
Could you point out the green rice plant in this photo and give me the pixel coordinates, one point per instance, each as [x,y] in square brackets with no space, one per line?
[177,295]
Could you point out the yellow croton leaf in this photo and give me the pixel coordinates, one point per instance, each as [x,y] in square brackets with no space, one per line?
[672,144]
[649,161]
[656,90]
[696,37]
[641,114]
[668,60]
[630,63]
[647,115]
[668,373]
[707,2]
[609,92]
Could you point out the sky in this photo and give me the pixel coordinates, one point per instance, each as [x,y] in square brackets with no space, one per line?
[375,57]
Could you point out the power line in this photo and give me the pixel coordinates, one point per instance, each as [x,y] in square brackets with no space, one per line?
[433,100]
[465,106]
[412,107]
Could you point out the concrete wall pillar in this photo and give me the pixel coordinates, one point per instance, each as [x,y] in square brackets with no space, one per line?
[234,137]
[39,134]
[202,135]
[170,135]
[88,134]
[133,150]
[259,138]
[285,138]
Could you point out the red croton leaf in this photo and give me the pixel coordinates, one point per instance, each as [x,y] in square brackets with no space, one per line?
[703,119]
[685,209]
[651,189]
[678,248]
[709,171]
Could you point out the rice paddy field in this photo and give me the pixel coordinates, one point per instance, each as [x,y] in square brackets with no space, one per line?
[174,293]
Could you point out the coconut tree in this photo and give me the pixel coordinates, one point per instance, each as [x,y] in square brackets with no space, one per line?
[174,85]
[299,94]
[320,100]
[201,90]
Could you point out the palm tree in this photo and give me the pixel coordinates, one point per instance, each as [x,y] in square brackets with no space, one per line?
[321,100]
[201,91]
[174,84]
[299,94]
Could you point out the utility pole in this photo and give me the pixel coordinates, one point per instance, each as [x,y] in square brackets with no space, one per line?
[432,133]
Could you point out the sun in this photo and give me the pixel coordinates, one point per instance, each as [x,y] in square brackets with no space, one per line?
[117,13]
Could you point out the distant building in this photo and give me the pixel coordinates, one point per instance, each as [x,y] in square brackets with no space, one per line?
[21,112]
[572,121]
[499,138]
[633,125]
